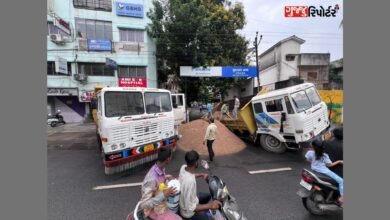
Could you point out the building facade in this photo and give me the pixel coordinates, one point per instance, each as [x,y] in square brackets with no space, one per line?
[96,42]
[284,61]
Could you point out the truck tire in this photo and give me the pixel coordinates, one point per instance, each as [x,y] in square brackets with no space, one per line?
[272,144]
[100,145]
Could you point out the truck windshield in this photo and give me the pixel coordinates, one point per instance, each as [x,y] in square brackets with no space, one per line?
[157,102]
[119,104]
[301,101]
[313,95]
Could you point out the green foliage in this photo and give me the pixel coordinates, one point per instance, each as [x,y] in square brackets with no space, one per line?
[198,33]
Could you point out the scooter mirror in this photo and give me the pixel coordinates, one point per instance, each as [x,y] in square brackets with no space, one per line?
[205,164]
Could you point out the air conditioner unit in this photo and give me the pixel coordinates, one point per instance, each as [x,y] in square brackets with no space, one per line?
[80,77]
[57,38]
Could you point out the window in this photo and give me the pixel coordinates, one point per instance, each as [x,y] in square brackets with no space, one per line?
[95,69]
[104,5]
[177,99]
[119,104]
[93,29]
[51,69]
[157,102]
[312,76]
[131,35]
[258,107]
[290,57]
[132,72]
[52,29]
[274,105]
[301,101]
[313,96]
[289,107]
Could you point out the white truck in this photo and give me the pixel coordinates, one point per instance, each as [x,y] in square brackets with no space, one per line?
[132,124]
[283,118]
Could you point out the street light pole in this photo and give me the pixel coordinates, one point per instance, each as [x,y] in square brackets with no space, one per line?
[256,44]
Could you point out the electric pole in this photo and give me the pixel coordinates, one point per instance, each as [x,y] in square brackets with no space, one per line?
[256,44]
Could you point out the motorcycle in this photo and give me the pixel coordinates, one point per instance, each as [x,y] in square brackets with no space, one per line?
[53,121]
[218,190]
[319,193]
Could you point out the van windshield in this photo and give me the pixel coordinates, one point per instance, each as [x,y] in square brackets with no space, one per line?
[117,104]
[301,101]
[157,102]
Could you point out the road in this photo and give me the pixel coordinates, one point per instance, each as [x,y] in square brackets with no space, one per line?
[75,168]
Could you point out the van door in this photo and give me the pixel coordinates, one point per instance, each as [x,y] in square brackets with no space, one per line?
[290,113]
[179,109]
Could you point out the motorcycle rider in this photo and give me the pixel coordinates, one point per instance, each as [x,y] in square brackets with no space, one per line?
[192,204]
[321,163]
[334,148]
[151,198]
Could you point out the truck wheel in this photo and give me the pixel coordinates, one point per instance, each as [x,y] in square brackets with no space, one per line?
[272,144]
[100,145]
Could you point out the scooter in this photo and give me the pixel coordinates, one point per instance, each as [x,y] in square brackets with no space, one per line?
[218,190]
[319,193]
[53,121]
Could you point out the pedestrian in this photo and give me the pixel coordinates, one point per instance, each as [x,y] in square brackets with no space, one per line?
[209,109]
[211,132]
[224,110]
[236,106]
[334,148]
[152,198]
[194,205]
[321,163]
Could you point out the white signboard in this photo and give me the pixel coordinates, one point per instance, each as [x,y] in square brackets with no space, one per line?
[201,72]
[61,65]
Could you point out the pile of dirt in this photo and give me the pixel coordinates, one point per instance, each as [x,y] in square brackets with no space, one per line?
[193,135]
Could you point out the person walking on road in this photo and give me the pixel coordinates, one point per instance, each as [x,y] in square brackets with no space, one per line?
[209,109]
[236,106]
[210,138]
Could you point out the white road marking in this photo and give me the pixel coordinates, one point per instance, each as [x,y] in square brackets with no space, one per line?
[117,186]
[270,170]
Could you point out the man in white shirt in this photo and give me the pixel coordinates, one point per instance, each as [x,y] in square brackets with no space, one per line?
[210,137]
[236,106]
[194,206]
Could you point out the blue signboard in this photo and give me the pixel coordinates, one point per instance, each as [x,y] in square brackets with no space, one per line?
[99,45]
[111,63]
[239,71]
[130,10]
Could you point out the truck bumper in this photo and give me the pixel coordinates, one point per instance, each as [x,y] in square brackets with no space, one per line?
[138,154]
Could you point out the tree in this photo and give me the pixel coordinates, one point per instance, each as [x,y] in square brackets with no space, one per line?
[197,33]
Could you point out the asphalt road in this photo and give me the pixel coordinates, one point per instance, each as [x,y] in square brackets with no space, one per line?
[75,167]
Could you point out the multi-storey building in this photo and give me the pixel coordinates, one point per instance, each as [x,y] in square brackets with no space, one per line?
[96,42]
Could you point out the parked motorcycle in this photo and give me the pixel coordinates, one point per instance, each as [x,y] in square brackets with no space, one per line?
[54,120]
[218,190]
[319,193]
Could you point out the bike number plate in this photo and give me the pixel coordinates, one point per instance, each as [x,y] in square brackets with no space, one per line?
[306,185]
